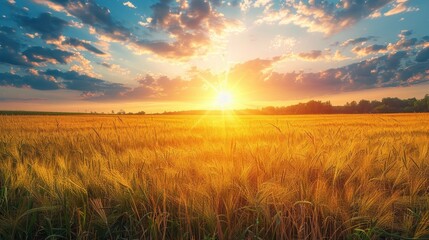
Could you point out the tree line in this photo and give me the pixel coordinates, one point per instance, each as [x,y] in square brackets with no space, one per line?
[386,105]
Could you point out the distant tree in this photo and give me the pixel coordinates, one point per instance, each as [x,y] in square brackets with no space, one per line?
[374,105]
[381,108]
[364,106]
[269,110]
[426,100]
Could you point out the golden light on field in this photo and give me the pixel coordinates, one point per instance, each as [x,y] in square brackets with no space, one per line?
[298,177]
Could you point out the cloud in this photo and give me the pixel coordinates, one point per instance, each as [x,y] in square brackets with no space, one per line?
[10,52]
[34,82]
[7,30]
[53,56]
[82,45]
[372,49]
[423,55]
[257,80]
[323,16]
[355,41]
[96,16]
[312,55]
[70,80]
[129,4]
[405,33]
[375,14]
[403,43]
[48,26]
[160,88]
[400,7]
[190,28]
[317,55]
[74,81]
[391,70]
[10,49]
[115,68]
[184,48]
[194,87]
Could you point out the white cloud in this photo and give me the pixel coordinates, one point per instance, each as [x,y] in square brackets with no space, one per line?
[129,4]
[322,16]
[146,23]
[400,7]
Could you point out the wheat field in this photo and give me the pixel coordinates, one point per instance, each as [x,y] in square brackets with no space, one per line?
[214,177]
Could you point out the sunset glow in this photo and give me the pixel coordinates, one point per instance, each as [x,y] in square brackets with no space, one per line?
[158,55]
[224,99]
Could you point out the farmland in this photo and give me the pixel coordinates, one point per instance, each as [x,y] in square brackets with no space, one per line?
[214,177]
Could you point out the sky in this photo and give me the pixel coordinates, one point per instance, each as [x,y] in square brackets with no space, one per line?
[171,55]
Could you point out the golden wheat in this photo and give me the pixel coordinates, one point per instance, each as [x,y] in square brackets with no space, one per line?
[214,177]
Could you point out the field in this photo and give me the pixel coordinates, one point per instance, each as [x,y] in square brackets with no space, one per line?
[214,177]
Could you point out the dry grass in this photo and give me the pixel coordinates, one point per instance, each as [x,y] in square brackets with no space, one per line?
[218,177]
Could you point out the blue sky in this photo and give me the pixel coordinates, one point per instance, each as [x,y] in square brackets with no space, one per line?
[78,55]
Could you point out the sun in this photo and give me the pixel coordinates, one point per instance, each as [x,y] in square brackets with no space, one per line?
[224,99]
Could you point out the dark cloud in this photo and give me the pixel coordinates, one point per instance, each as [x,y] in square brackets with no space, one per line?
[394,60]
[32,81]
[10,53]
[48,26]
[71,80]
[41,54]
[405,33]
[89,12]
[423,55]
[105,64]
[197,12]
[79,43]
[372,49]
[74,81]
[403,43]
[10,50]
[354,41]
[96,16]
[7,30]
[161,11]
